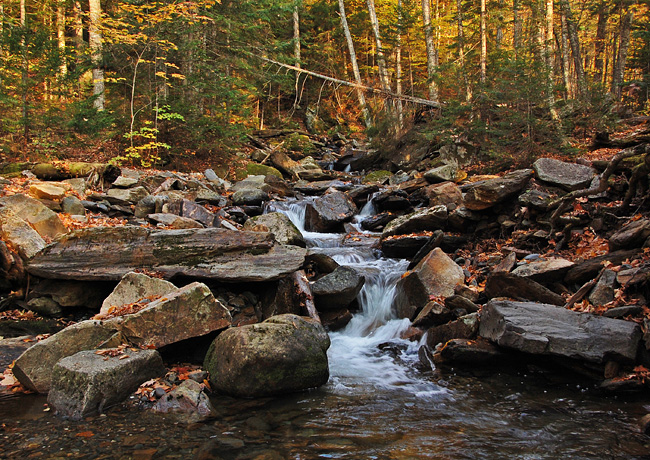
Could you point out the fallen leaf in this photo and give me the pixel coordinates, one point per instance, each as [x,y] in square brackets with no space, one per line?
[85,434]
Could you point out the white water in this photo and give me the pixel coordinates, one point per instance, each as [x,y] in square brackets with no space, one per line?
[357,364]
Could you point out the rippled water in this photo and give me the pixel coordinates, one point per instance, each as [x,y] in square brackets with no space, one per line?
[378,404]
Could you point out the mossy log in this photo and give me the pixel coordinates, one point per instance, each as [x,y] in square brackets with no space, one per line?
[69,170]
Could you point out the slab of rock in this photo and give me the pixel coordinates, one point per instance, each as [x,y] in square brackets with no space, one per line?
[36,214]
[433,218]
[20,234]
[570,176]
[249,197]
[464,327]
[108,253]
[88,383]
[584,271]
[190,311]
[280,225]
[484,195]
[603,292]
[328,212]
[464,351]
[446,193]
[134,287]
[73,293]
[632,235]
[173,221]
[187,398]
[47,191]
[125,182]
[130,195]
[436,275]
[549,330]
[73,206]
[192,210]
[544,270]
[338,289]
[433,314]
[285,353]
[12,348]
[34,367]
[442,173]
[504,284]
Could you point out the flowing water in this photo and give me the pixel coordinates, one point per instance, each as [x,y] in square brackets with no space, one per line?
[378,404]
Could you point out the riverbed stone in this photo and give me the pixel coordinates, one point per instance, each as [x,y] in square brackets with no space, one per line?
[504,284]
[632,235]
[187,399]
[485,194]
[570,176]
[33,369]
[442,173]
[337,289]
[40,217]
[446,193]
[131,195]
[464,327]
[43,190]
[466,351]
[433,218]
[435,276]
[544,270]
[73,206]
[328,212]
[134,287]
[19,234]
[285,353]
[280,225]
[87,383]
[543,329]
[249,197]
[603,291]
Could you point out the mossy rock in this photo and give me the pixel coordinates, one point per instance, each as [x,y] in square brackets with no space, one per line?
[296,142]
[256,169]
[376,176]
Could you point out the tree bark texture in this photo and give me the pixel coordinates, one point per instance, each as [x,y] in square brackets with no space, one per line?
[432,52]
[96,45]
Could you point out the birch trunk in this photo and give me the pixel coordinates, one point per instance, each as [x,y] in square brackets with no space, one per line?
[60,36]
[548,55]
[575,45]
[296,49]
[564,41]
[381,61]
[25,68]
[461,49]
[624,43]
[95,41]
[599,44]
[398,66]
[483,42]
[431,50]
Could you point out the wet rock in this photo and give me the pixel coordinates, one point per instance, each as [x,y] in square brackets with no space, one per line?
[570,176]
[280,225]
[442,173]
[173,221]
[73,206]
[403,246]
[446,193]
[189,399]
[327,213]
[36,214]
[603,292]
[249,197]
[535,199]
[632,235]
[459,302]
[436,275]
[285,353]
[463,351]
[19,234]
[549,330]
[134,287]
[45,306]
[623,386]
[464,327]
[43,190]
[433,242]
[433,218]
[362,194]
[334,320]
[504,284]
[433,314]
[392,200]
[12,348]
[544,271]
[485,194]
[337,289]
[130,195]
[190,311]
[625,310]
[584,271]
[87,383]
[34,367]
[377,222]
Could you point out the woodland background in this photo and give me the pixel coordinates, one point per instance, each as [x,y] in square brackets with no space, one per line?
[151,83]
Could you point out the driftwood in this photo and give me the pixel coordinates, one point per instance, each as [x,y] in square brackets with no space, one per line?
[304,293]
[106,253]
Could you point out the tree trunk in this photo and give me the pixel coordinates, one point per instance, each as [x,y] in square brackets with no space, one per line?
[516,33]
[548,57]
[575,45]
[60,36]
[355,65]
[398,66]
[461,49]
[296,48]
[95,41]
[483,63]
[25,69]
[599,43]
[624,42]
[431,51]
[566,71]
[381,61]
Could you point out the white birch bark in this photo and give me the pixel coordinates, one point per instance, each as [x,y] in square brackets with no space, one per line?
[431,50]
[95,41]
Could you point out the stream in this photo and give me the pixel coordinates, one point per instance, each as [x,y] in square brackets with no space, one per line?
[378,404]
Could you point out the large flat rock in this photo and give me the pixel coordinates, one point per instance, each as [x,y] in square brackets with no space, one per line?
[108,253]
[543,329]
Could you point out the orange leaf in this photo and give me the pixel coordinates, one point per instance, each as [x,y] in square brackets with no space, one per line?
[85,434]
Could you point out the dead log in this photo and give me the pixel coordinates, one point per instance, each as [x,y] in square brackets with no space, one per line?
[69,170]
[304,293]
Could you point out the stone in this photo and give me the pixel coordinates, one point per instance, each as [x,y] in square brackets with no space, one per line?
[285,353]
[377,222]
[603,291]
[536,199]
[403,246]
[464,351]
[12,348]
[73,206]
[88,383]
[569,176]
[464,327]
[485,194]
[45,306]
[625,310]
[192,210]
[433,218]
[130,195]
[211,176]
[43,190]
[125,182]
[33,369]
[73,293]
[327,213]
[337,289]
[456,302]
[504,284]
[251,183]
[36,214]
[188,312]
[173,221]
[19,234]
[587,270]
[262,170]
[444,173]
[446,193]
[134,287]
[150,204]
[210,197]
[249,197]
[187,398]
[433,314]
[280,225]
[632,235]
[334,320]
[544,270]
[543,329]
[435,276]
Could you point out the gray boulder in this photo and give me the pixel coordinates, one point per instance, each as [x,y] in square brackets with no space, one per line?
[89,383]
[134,287]
[504,284]
[441,174]
[150,204]
[192,210]
[328,212]
[285,353]
[187,399]
[173,221]
[569,176]
[131,195]
[485,194]
[249,197]
[280,225]
[632,235]
[464,327]
[73,206]
[446,193]
[603,292]
[544,270]
[337,289]
[543,329]
[433,218]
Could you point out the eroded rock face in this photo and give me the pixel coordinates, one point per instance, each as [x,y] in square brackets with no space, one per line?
[285,353]
[570,176]
[134,287]
[88,383]
[543,329]
[20,234]
[36,214]
[484,195]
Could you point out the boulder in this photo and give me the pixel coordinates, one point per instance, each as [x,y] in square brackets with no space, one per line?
[188,312]
[603,291]
[173,221]
[436,275]
[544,270]
[433,218]
[73,206]
[73,293]
[36,214]
[88,383]
[130,195]
[464,327]
[251,183]
[125,182]
[543,329]
[210,197]
[338,289]
[43,190]
[403,246]
[504,284]
[485,194]
[285,353]
[189,399]
[535,199]
[12,348]
[569,176]
[584,271]
[108,253]
[34,367]
[249,197]
[327,213]
[284,231]
[134,287]
[442,173]
[192,210]
[446,193]
[464,351]
[150,204]
[433,314]
[632,235]
[19,234]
